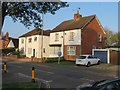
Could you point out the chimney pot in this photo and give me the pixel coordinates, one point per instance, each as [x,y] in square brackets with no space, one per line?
[7,36]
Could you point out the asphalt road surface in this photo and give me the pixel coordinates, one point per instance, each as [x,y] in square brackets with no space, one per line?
[57,76]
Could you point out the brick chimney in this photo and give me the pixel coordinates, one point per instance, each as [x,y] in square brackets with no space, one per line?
[77,16]
[7,36]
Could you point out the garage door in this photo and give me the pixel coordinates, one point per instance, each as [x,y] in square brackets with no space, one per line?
[102,55]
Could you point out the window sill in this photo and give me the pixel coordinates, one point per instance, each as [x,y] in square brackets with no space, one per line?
[56,40]
[71,54]
[71,40]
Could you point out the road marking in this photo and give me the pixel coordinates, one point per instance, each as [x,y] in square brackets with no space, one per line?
[75,66]
[24,75]
[87,79]
[44,65]
[44,71]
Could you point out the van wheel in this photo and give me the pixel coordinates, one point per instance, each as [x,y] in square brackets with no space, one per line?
[88,64]
[77,65]
[98,63]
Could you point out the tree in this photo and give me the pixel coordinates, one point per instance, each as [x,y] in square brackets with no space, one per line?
[29,13]
[116,39]
[112,39]
[108,36]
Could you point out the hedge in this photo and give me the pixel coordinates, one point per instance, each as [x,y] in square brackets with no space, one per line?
[7,50]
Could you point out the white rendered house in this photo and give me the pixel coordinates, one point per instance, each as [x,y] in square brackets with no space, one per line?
[30,43]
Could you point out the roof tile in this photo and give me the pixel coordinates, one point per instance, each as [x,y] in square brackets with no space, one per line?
[72,24]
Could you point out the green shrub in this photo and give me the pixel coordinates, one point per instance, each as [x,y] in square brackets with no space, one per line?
[50,60]
[7,50]
[17,52]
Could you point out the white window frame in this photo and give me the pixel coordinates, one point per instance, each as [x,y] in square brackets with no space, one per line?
[100,37]
[71,36]
[55,50]
[71,52]
[29,40]
[22,50]
[35,38]
[56,36]
[29,50]
[22,41]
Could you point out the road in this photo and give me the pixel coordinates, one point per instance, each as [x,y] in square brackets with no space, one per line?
[58,76]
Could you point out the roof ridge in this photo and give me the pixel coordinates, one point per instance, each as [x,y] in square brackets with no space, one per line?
[82,17]
[35,32]
[90,15]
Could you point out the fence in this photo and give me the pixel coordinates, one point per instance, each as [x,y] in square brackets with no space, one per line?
[115,57]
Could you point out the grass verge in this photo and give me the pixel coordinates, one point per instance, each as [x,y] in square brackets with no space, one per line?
[21,86]
[64,62]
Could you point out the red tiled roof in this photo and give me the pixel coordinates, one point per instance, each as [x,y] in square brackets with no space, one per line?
[72,24]
[36,32]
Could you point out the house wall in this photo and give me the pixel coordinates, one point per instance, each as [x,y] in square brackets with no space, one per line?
[10,44]
[46,41]
[35,45]
[77,37]
[30,46]
[2,45]
[4,42]
[90,37]
[22,46]
[66,41]
[71,57]
[76,43]
[53,42]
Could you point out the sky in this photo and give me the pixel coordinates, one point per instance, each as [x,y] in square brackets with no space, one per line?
[107,13]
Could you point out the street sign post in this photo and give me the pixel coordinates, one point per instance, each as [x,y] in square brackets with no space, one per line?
[59,54]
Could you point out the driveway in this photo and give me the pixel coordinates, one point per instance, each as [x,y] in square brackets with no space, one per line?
[57,76]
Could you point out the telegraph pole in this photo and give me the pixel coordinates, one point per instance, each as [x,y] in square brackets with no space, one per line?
[42,36]
[1,17]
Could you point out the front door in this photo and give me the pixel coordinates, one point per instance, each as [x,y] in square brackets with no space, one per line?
[33,52]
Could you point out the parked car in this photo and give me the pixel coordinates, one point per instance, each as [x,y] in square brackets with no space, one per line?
[102,85]
[87,60]
[2,54]
[10,53]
